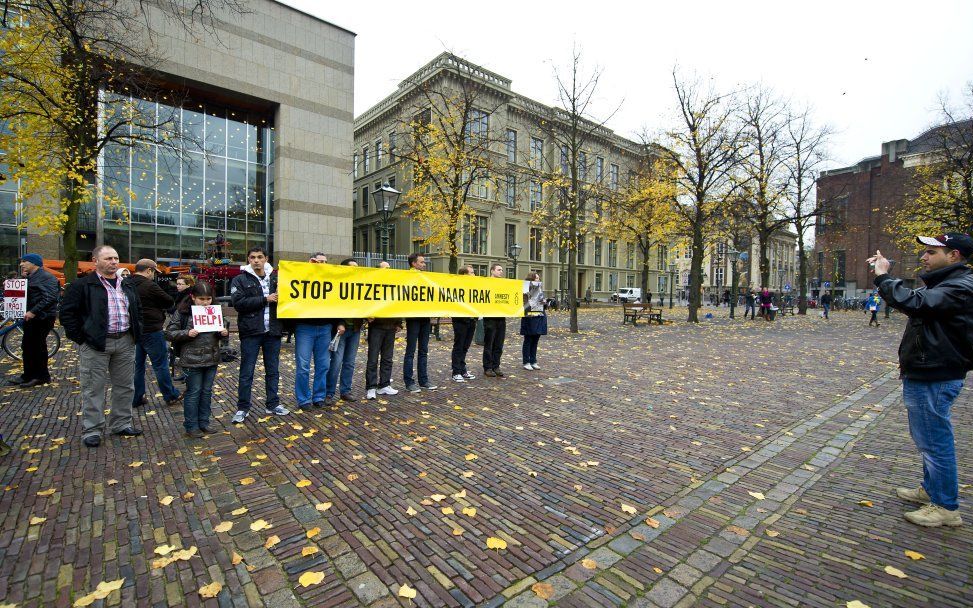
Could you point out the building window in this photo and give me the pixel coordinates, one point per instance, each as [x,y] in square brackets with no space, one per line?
[565,163]
[480,270]
[597,251]
[536,152]
[354,207]
[613,176]
[630,255]
[720,276]
[536,195]
[392,146]
[509,237]
[477,126]
[536,244]
[612,282]
[475,234]
[630,280]
[354,163]
[581,248]
[511,146]
[599,169]
[612,253]
[562,280]
[481,187]
[582,166]
[663,254]
[378,154]
[364,200]
[511,196]
[364,240]
[366,167]
[597,281]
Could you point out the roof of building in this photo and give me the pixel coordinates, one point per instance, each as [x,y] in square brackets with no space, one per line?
[315,17]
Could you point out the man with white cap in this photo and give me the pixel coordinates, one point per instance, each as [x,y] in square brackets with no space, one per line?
[934,357]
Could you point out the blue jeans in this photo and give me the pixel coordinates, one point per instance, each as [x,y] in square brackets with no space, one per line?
[197,403]
[928,404]
[249,347]
[827,309]
[311,341]
[416,334]
[154,346]
[343,362]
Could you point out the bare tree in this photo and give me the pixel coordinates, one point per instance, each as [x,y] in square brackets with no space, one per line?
[704,148]
[807,144]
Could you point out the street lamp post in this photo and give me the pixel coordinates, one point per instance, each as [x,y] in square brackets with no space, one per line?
[513,253]
[672,280]
[385,199]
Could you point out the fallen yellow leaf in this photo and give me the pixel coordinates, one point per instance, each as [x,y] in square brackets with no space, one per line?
[322,506]
[102,591]
[629,509]
[438,497]
[166,501]
[47,492]
[407,592]
[211,590]
[247,481]
[410,511]
[865,503]
[856,604]
[136,464]
[469,511]
[165,549]
[448,510]
[225,526]
[273,540]
[309,551]
[303,483]
[915,555]
[757,495]
[895,572]
[313,532]
[236,558]
[239,511]
[310,578]
[471,457]
[37,520]
[496,543]
[243,450]
[545,591]
[652,522]
[260,524]
[773,533]
[589,564]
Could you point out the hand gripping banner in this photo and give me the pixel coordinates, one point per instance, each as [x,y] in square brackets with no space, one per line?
[309,291]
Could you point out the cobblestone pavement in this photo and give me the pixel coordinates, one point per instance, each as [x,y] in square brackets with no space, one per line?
[731,463]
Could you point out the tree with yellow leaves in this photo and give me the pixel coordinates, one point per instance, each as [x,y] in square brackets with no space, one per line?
[450,154]
[940,198]
[62,60]
[643,211]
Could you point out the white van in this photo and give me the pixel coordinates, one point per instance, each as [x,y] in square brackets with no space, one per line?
[627,294]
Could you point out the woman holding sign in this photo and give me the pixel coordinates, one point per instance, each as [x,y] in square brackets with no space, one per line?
[197,347]
[534,323]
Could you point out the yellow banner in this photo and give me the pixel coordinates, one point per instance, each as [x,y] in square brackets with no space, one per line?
[309,291]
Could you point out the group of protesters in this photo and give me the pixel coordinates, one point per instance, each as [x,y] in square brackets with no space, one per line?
[121,319]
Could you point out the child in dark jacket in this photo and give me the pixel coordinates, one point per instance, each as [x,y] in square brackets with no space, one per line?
[198,354]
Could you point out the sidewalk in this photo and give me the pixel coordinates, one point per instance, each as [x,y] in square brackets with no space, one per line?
[677,423]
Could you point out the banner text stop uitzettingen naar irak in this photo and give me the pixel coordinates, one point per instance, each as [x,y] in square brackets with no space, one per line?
[309,291]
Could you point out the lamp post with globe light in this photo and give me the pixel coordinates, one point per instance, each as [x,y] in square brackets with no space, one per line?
[672,280]
[385,199]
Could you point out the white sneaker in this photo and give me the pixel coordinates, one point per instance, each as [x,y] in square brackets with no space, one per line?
[370,393]
[527,366]
[279,410]
[535,366]
[387,390]
[459,378]
[239,416]
[469,376]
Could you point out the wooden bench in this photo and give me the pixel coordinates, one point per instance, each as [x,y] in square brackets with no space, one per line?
[633,311]
[437,322]
[786,309]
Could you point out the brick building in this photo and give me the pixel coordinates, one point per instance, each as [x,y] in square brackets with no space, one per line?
[861,200]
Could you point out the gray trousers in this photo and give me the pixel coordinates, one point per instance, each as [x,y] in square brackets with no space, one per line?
[117,364]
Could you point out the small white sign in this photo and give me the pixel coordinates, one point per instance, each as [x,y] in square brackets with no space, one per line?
[207,318]
[14,298]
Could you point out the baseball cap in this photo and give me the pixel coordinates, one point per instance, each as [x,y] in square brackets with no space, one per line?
[951,240]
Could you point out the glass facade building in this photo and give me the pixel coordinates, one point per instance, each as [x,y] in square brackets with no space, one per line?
[11,236]
[167,201]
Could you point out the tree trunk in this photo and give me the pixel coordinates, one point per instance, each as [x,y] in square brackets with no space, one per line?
[645,274]
[573,283]
[762,246]
[70,236]
[696,274]
[801,274]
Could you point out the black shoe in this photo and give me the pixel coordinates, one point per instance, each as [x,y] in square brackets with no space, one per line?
[207,430]
[128,432]
[489,373]
[92,441]
[349,398]
[194,434]
[319,404]
[32,383]
[329,400]
[174,400]
[499,373]
[140,402]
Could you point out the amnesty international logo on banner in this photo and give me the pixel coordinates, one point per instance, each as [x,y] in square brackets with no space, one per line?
[308,291]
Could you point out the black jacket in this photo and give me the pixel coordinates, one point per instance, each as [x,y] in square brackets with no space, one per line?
[84,311]
[201,351]
[155,302]
[43,291]
[938,341]
[247,298]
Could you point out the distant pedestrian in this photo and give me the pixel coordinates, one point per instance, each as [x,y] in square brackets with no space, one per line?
[154,303]
[463,330]
[494,333]
[184,284]
[342,371]
[533,325]
[417,331]
[826,301]
[253,294]
[381,346]
[871,305]
[199,355]
[935,355]
[766,299]
[42,296]
[101,313]
[751,305]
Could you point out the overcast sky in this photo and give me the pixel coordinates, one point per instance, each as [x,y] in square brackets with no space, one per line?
[871,70]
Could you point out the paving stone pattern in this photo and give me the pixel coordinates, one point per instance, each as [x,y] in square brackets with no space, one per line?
[720,464]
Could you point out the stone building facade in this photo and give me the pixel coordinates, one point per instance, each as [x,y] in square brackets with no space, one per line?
[270,95]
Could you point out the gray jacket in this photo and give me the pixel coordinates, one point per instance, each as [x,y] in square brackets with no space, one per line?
[201,351]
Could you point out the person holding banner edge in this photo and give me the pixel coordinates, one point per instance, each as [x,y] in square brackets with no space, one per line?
[463,330]
[381,345]
[494,334]
[344,355]
[253,293]
[417,334]
[42,296]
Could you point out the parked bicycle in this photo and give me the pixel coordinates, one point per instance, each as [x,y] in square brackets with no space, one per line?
[12,336]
